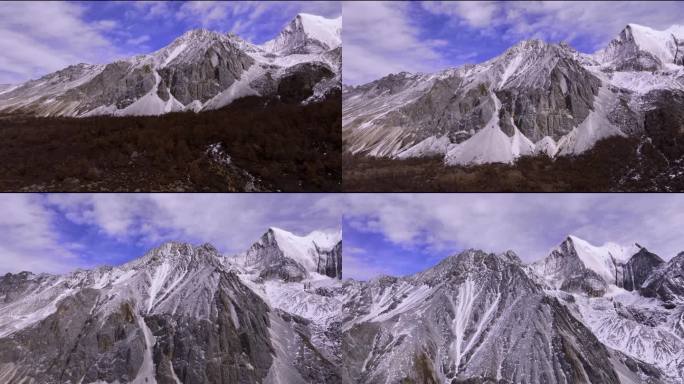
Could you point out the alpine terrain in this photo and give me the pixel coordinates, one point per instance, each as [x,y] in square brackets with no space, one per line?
[584,314]
[208,112]
[199,70]
[534,99]
[280,312]
[180,314]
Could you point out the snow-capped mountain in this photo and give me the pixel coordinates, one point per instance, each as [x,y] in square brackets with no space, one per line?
[486,318]
[179,314]
[289,257]
[307,34]
[199,70]
[534,98]
[186,314]
[637,311]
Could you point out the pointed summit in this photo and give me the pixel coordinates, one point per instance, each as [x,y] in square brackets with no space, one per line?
[307,34]
[283,255]
[642,48]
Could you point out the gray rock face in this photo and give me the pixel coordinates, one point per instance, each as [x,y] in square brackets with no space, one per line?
[562,103]
[667,281]
[15,286]
[461,321]
[330,261]
[544,90]
[586,282]
[120,84]
[639,268]
[233,346]
[626,55]
[207,74]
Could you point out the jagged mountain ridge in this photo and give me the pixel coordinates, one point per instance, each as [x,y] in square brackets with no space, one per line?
[180,313]
[475,317]
[534,98]
[199,70]
[293,258]
[467,319]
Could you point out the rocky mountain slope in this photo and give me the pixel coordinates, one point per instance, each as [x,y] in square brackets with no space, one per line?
[584,314]
[534,98]
[274,314]
[179,314]
[199,70]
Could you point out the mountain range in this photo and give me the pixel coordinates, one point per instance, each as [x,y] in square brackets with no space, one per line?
[535,98]
[180,313]
[199,70]
[280,312]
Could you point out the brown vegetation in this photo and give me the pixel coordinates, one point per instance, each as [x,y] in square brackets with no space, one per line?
[614,164]
[273,146]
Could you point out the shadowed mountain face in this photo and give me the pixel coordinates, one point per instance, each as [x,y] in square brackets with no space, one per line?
[534,98]
[278,313]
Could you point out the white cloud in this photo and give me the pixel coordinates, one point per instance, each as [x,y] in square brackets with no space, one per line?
[388,37]
[152,9]
[28,240]
[138,40]
[245,18]
[230,222]
[595,21]
[474,13]
[381,38]
[529,224]
[41,37]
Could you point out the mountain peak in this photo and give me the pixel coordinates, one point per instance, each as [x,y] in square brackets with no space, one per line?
[307,33]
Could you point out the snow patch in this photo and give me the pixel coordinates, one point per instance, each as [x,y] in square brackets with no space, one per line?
[146,374]
[490,144]
[595,126]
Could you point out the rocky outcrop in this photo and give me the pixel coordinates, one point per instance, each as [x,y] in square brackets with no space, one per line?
[639,268]
[119,84]
[586,282]
[299,82]
[330,261]
[667,281]
[664,121]
[207,74]
[562,103]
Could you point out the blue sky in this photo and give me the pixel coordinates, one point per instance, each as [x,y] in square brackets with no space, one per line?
[425,36]
[400,234]
[393,234]
[41,37]
[60,232]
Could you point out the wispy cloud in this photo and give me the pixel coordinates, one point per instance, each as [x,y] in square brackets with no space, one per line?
[59,232]
[381,38]
[41,37]
[388,37]
[250,18]
[443,224]
[28,240]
